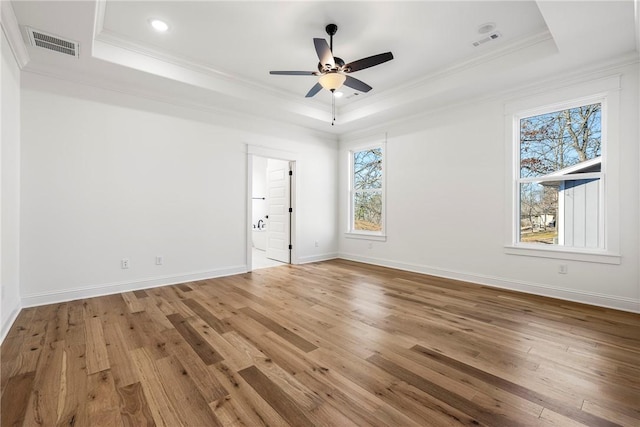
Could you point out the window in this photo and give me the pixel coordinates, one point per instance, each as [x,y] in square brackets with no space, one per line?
[563,147]
[366,195]
[560,178]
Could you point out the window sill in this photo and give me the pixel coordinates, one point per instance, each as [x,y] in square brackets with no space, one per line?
[366,236]
[602,257]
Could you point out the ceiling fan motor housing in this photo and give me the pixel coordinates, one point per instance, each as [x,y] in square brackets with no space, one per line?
[327,68]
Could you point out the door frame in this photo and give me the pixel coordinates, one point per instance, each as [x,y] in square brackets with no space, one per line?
[270,153]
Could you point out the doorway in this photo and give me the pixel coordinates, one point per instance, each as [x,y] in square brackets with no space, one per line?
[271,213]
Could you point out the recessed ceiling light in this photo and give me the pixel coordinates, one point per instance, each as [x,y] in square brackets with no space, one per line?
[159,25]
[337,94]
[486,28]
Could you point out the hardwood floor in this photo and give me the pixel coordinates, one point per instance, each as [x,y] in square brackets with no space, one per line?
[333,343]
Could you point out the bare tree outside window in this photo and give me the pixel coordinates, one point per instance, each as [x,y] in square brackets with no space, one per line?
[367,190]
[553,141]
[552,148]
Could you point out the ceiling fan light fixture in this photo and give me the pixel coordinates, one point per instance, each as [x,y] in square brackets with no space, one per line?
[332,81]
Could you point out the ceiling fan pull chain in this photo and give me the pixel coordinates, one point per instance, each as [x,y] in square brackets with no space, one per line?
[333,107]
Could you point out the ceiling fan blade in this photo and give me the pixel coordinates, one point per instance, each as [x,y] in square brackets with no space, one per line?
[357,84]
[324,53]
[315,89]
[370,61]
[294,73]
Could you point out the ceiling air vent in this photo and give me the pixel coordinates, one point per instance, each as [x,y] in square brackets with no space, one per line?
[490,37]
[48,41]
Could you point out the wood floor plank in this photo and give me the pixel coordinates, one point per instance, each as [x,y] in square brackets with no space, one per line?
[10,358]
[143,331]
[515,389]
[332,343]
[285,333]
[140,294]
[97,356]
[44,403]
[72,399]
[613,412]
[275,396]
[156,314]
[339,391]
[218,325]
[120,362]
[586,385]
[245,352]
[15,399]
[231,414]
[184,287]
[192,407]
[103,401]
[159,403]
[243,404]
[57,328]
[442,394]
[202,377]
[207,353]
[133,406]
[212,300]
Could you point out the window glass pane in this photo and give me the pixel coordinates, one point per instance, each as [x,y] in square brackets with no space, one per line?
[553,142]
[367,211]
[538,213]
[367,169]
[564,213]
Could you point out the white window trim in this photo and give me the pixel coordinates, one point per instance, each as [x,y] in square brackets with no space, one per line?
[606,92]
[362,234]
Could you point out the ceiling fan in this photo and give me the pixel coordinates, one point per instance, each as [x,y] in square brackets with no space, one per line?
[332,71]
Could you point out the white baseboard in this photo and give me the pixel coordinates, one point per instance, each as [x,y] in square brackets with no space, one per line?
[317,258]
[64,295]
[7,322]
[591,298]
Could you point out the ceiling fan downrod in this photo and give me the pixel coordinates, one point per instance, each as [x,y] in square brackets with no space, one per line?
[331,29]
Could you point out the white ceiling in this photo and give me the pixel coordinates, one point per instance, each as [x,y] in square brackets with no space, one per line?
[217,55]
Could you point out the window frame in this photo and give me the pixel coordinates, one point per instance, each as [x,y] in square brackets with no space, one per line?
[606,94]
[351,231]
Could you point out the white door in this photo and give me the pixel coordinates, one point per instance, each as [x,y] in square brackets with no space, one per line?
[278,204]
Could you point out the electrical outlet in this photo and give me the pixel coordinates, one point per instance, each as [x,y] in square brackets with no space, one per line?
[124,263]
[317,243]
[563,269]
[159,260]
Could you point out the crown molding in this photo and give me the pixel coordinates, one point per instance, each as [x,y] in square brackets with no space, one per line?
[109,37]
[233,119]
[98,23]
[11,30]
[514,47]
[539,39]
[533,87]
[111,48]
[104,35]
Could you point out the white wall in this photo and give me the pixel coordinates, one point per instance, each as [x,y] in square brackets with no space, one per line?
[10,187]
[107,176]
[446,205]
